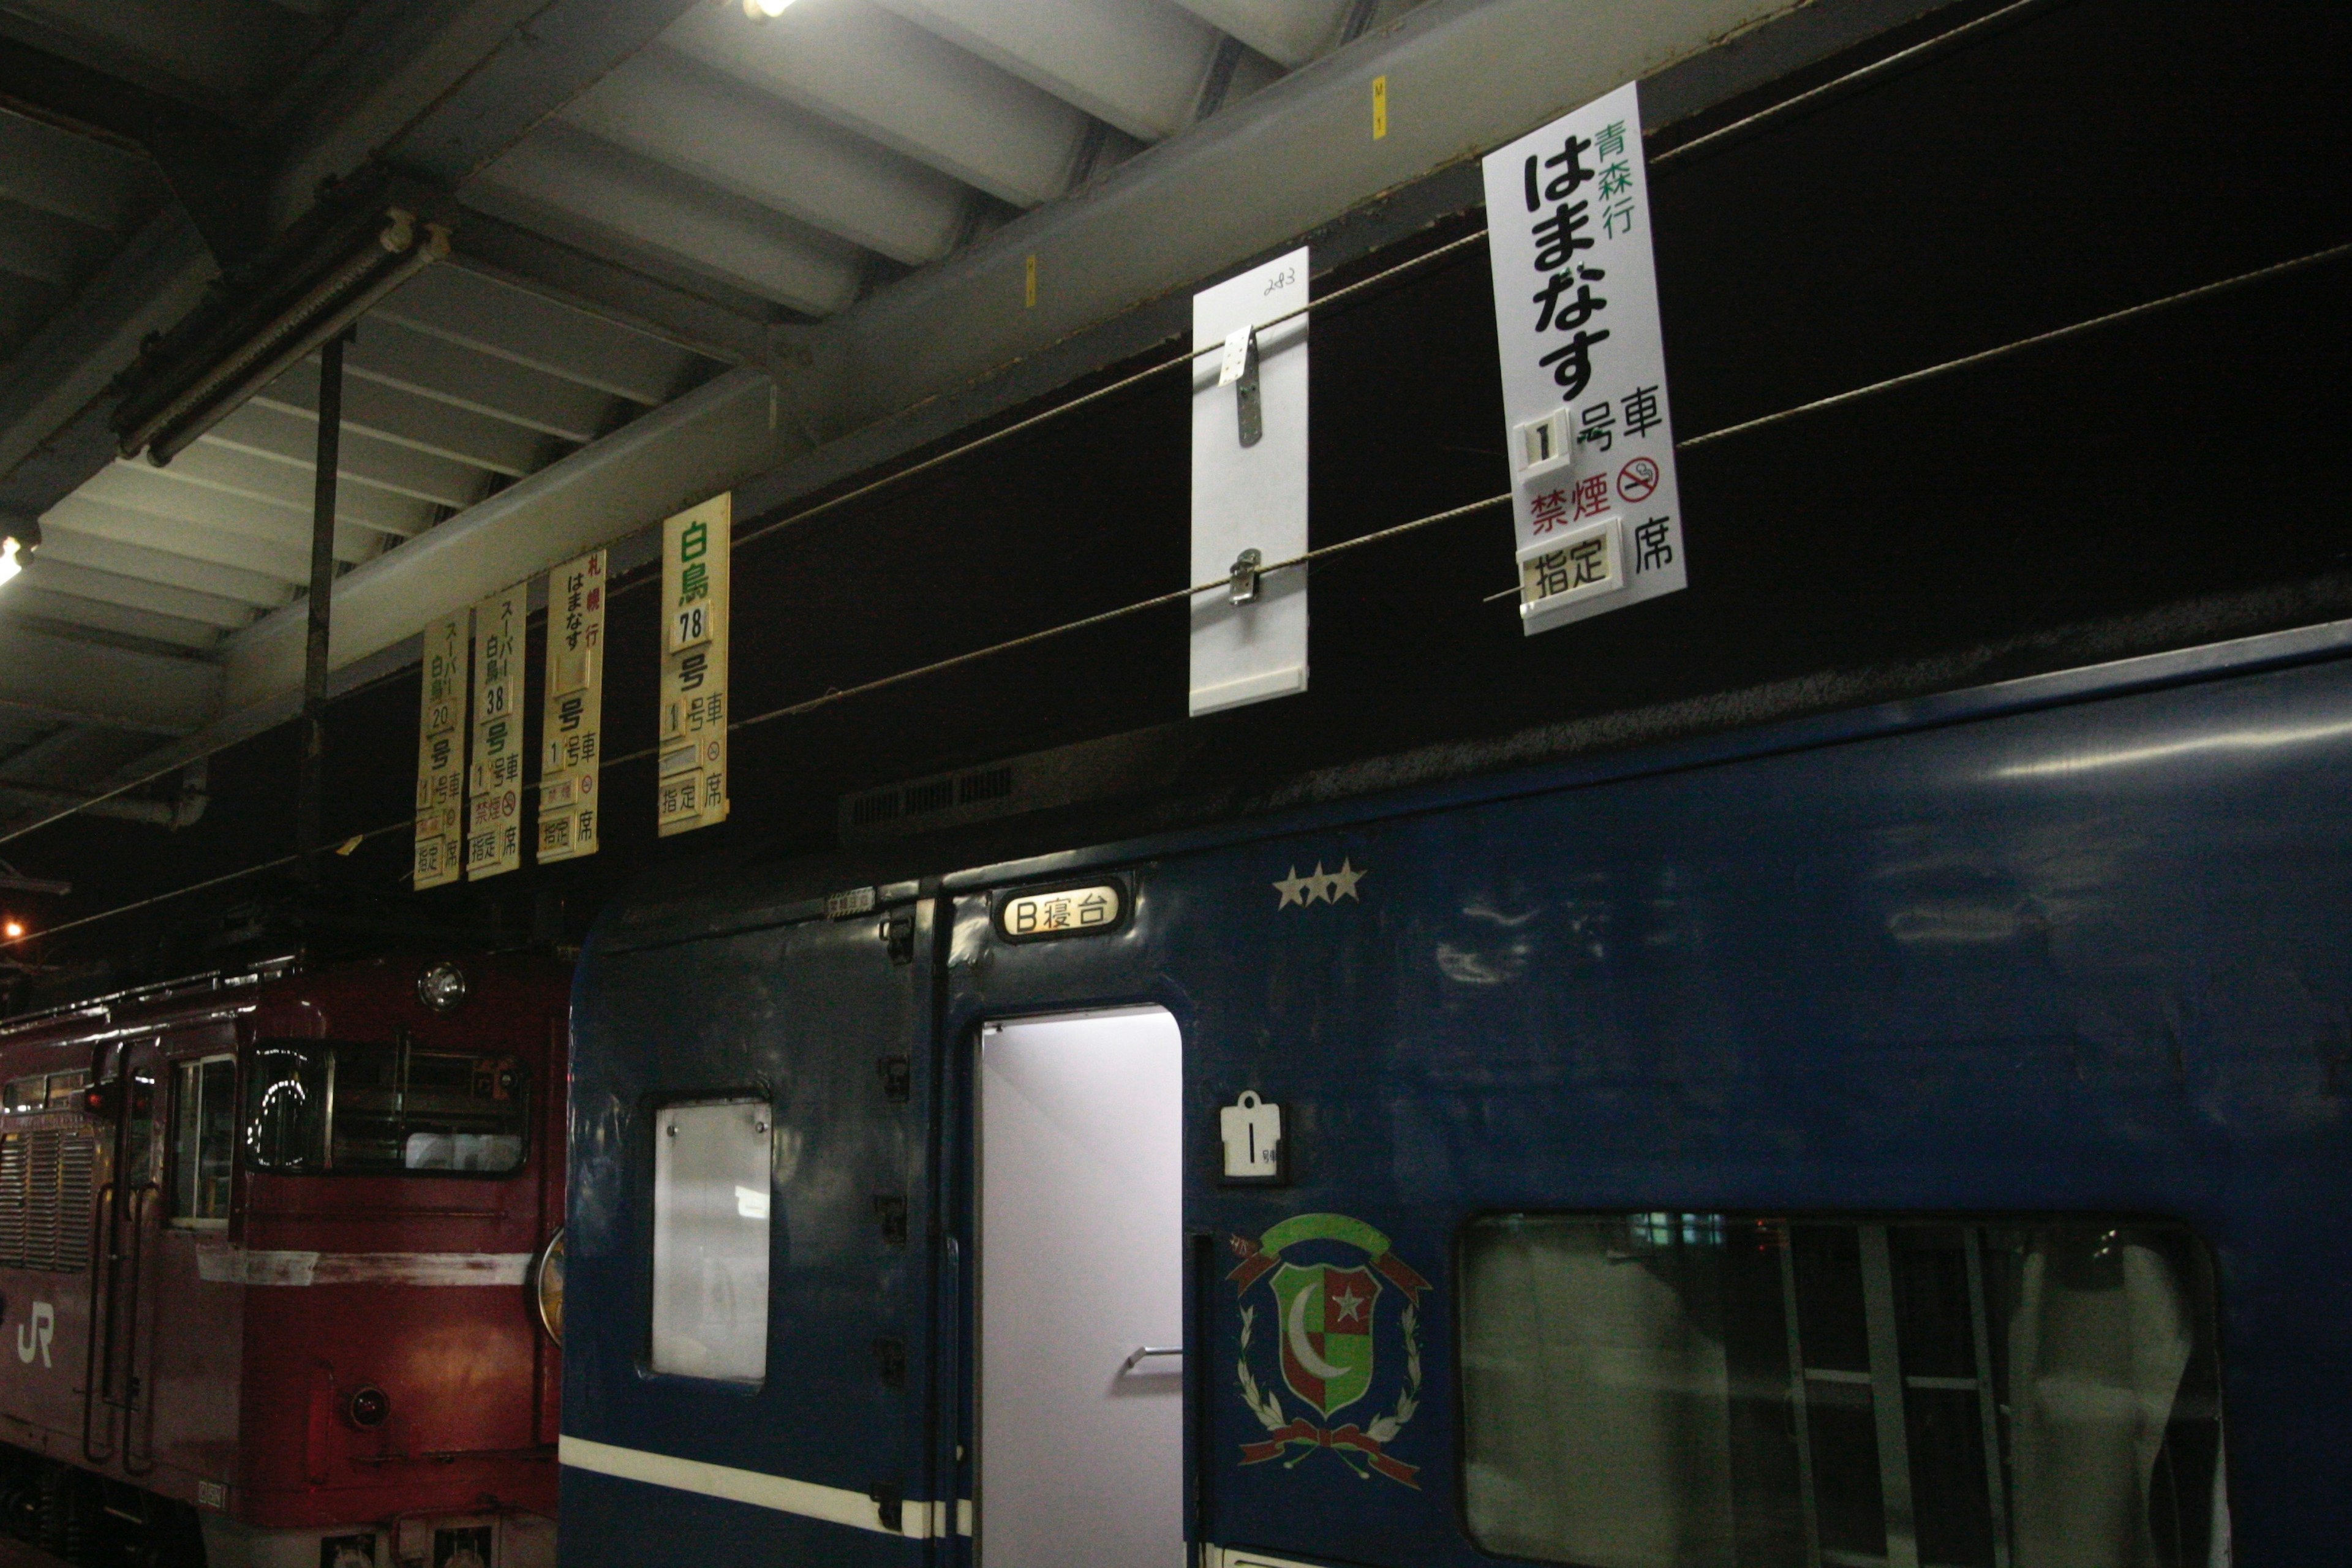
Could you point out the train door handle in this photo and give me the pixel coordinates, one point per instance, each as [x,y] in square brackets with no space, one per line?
[1143,1352]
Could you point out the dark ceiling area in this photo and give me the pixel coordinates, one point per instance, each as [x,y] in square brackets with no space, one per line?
[2173,477]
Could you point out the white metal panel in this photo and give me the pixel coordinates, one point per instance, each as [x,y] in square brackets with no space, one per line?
[1289,31]
[405,419]
[75,177]
[51,574]
[97,615]
[62,545]
[433,367]
[43,673]
[282,436]
[881,76]
[474,311]
[673,111]
[714,1188]
[574,174]
[1137,64]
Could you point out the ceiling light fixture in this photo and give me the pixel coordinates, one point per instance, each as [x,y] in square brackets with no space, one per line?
[18,542]
[761,10]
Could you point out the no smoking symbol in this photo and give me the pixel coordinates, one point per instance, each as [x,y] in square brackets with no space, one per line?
[1638,480]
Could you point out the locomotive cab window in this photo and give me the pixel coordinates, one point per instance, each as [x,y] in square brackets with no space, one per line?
[204,1133]
[1696,1390]
[314,1107]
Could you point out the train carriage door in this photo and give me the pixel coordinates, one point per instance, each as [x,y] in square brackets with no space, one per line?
[749,1323]
[1081,1299]
[125,1092]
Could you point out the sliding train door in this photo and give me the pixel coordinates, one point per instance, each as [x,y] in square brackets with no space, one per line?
[1081,1291]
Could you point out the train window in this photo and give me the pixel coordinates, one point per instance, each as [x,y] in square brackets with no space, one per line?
[711,1196]
[203,1133]
[41,1091]
[317,1106]
[1714,1391]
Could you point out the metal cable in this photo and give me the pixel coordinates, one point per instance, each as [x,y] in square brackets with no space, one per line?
[1749,122]
[807,705]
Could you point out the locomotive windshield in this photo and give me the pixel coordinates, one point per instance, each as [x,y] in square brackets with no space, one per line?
[321,1106]
[1652,1389]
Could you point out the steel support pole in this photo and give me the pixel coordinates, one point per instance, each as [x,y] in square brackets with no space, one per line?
[310,806]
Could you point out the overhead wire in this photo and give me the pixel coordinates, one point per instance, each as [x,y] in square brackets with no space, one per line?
[1139,606]
[1665,158]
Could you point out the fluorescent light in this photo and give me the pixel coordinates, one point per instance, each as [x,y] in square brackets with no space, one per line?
[760,10]
[11,559]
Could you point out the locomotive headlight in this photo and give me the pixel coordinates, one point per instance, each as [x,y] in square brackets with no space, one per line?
[442,987]
[546,1286]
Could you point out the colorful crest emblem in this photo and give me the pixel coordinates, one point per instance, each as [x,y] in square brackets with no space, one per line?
[1344,1310]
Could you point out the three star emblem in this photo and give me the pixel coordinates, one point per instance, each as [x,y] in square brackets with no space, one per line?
[1319,885]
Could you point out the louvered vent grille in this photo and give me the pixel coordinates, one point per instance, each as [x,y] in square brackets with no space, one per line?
[46,1179]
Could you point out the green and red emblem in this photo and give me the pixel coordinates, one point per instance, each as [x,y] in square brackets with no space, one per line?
[1338,1296]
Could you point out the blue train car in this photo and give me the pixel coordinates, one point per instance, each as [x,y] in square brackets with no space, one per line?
[1915,1137]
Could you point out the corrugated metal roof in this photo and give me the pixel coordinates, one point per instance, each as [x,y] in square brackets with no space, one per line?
[777,168]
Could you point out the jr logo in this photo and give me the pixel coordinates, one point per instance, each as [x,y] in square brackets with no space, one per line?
[33,1338]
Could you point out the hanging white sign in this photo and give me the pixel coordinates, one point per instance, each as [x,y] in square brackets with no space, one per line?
[441,756]
[572,721]
[1590,435]
[494,792]
[696,550]
[1249,487]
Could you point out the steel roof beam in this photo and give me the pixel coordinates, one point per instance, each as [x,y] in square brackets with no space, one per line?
[405,419]
[1137,64]
[291,439]
[515,323]
[55,573]
[63,545]
[542,64]
[432,367]
[707,229]
[216,173]
[665,107]
[171,493]
[611,290]
[1288,32]
[283,566]
[32,607]
[710,438]
[879,75]
[80,682]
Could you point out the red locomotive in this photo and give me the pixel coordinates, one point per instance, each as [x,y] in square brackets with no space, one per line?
[281,1269]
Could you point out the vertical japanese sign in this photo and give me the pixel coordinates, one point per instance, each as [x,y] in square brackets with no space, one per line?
[494,794]
[1584,373]
[691,788]
[441,756]
[573,721]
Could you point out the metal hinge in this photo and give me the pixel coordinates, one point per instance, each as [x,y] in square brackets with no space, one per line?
[887,1504]
[898,1079]
[890,1361]
[890,1214]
